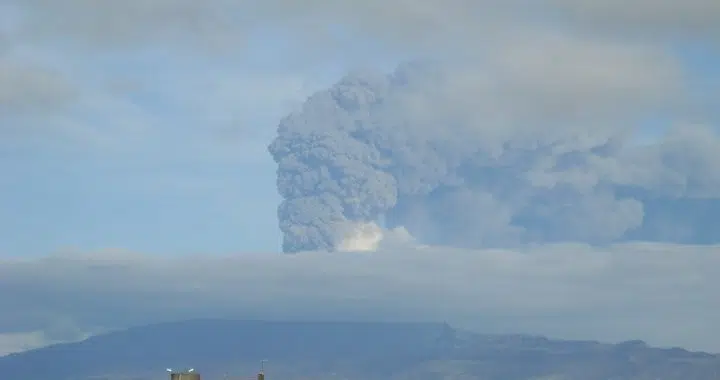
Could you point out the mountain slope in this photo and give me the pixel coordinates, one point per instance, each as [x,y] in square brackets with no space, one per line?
[337,350]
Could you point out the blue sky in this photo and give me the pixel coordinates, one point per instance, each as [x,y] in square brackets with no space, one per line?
[133,134]
[193,178]
[175,183]
[173,159]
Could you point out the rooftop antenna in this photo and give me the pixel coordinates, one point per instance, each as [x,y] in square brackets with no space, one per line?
[261,374]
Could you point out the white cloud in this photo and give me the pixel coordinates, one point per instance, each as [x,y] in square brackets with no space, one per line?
[620,292]
[18,342]
[23,341]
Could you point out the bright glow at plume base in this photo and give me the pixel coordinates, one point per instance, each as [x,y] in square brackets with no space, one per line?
[369,236]
[363,237]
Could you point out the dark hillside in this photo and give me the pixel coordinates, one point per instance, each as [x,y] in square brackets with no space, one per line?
[344,350]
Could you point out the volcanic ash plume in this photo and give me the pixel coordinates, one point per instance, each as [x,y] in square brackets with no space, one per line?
[418,149]
[328,178]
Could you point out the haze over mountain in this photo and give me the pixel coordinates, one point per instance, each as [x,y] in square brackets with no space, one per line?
[545,166]
[347,350]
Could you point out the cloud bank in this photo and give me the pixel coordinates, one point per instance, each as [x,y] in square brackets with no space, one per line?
[660,292]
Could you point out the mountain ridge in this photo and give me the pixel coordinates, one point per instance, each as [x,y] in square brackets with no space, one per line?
[353,350]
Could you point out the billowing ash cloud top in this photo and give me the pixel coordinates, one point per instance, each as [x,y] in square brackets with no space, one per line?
[415,150]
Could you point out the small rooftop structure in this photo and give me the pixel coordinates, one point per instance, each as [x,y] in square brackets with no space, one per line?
[189,374]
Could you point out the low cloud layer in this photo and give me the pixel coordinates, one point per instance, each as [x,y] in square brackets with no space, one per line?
[662,293]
